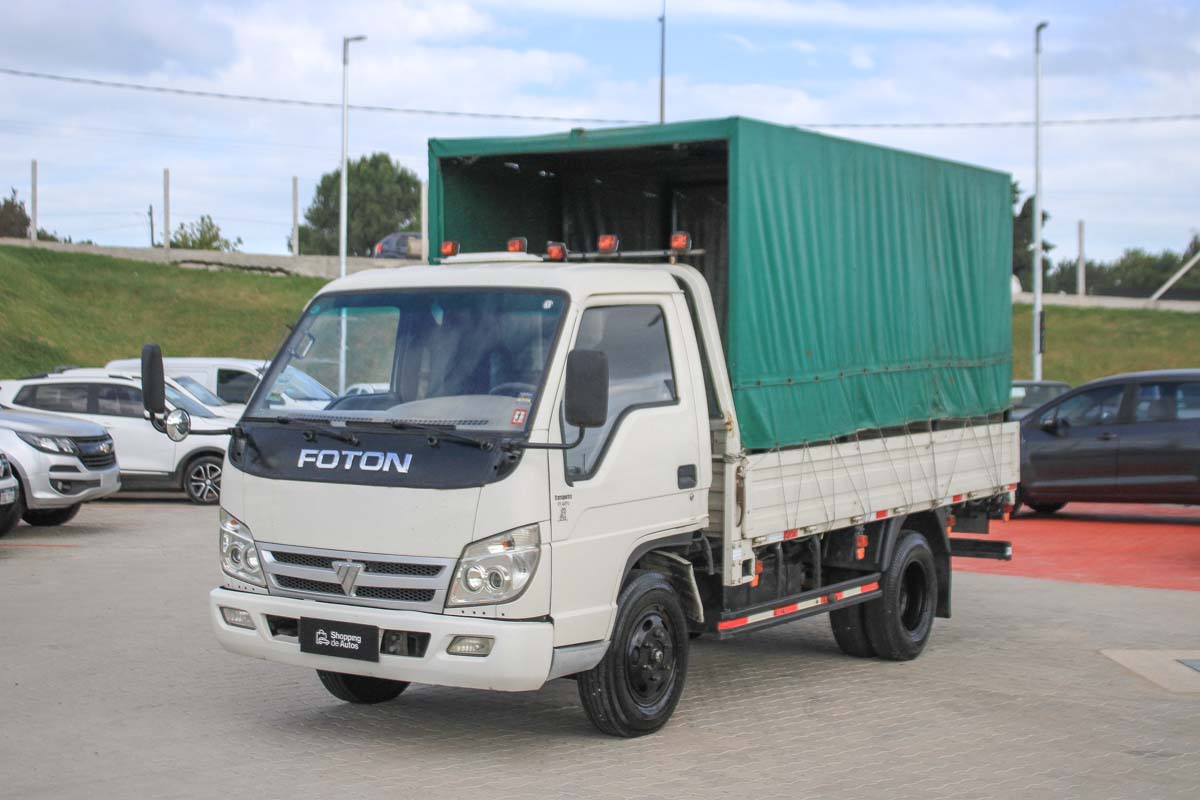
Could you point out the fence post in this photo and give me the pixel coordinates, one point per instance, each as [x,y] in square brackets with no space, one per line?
[295,216]
[167,211]
[33,224]
[1081,267]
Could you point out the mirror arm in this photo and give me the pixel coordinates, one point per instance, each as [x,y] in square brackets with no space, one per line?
[224,432]
[523,445]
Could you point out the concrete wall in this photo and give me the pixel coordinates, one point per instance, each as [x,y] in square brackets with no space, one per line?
[312,266]
[1101,301]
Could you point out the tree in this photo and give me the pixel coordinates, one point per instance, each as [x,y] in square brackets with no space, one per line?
[203,234]
[14,222]
[381,197]
[1023,239]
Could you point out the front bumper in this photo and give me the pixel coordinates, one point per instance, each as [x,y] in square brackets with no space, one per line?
[85,484]
[520,659]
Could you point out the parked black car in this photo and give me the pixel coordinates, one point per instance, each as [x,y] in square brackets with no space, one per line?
[398,245]
[1131,438]
[1028,395]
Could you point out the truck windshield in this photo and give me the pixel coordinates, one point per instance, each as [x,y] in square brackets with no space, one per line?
[462,358]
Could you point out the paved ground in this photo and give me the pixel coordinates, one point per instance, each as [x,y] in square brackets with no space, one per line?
[111,686]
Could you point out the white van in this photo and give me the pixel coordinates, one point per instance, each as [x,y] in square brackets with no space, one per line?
[235,379]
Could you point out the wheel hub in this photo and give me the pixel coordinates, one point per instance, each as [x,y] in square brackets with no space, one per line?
[650,658]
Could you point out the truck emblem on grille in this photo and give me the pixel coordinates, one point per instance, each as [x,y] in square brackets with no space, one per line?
[371,460]
[347,574]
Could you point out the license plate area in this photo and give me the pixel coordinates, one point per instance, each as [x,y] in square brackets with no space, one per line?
[328,637]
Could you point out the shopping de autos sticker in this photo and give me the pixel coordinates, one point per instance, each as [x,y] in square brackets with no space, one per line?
[519,415]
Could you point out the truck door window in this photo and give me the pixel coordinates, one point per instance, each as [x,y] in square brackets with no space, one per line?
[640,374]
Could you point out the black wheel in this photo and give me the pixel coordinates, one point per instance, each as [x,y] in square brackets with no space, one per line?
[51,516]
[850,630]
[360,688]
[11,515]
[202,480]
[899,622]
[1045,508]
[635,688]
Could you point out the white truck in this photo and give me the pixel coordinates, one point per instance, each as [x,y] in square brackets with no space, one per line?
[577,464]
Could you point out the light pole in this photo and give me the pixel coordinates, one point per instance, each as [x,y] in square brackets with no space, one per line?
[346,40]
[662,65]
[1038,324]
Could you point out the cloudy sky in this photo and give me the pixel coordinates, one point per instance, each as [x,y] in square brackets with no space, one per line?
[101,151]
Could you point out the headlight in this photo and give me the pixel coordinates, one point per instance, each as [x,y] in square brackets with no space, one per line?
[49,444]
[239,556]
[5,469]
[496,569]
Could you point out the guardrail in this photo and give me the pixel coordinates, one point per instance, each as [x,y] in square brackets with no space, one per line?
[1105,301]
[312,266]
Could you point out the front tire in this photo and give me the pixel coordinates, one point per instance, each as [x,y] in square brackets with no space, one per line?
[202,480]
[636,686]
[361,689]
[899,622]
[51,516]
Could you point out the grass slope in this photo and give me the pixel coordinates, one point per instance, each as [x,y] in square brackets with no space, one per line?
[68,308]
[1087,343]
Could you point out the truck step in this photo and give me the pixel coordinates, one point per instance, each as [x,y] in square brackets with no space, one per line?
[980,548]
[806,604]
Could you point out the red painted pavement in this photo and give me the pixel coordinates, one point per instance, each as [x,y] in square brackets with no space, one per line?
[1152,546]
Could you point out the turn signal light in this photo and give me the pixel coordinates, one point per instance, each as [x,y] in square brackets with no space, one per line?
[608,243]
[681,242]
[556,251]
[518,245]
[449,248]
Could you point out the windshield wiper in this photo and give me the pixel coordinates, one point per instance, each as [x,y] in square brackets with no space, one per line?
[311,434]
[439,432]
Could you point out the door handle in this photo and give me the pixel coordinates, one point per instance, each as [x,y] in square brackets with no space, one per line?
[1107,436]
[686,476]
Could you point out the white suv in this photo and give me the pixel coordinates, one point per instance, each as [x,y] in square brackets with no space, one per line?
[148,460]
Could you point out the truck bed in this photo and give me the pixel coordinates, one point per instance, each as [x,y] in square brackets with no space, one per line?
[809,490]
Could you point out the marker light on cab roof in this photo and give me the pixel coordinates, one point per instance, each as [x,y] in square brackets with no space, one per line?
[681,242]
[518,244]
[449,248]
[608,243]
[556,251]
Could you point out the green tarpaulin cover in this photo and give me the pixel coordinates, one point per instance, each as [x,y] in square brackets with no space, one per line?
[859,287]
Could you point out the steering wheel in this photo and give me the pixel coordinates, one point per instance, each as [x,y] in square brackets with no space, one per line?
[513,389]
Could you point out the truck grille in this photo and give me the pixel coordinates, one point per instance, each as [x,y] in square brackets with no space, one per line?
[406,582]
[96,452]
[380,567]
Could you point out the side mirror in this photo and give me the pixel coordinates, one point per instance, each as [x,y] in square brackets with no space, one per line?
[154,390]
[1049,423]
[178,424]
[586,403]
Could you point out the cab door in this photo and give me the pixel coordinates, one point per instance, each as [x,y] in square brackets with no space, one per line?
[643,473]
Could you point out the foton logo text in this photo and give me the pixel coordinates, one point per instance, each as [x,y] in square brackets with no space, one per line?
[370,460]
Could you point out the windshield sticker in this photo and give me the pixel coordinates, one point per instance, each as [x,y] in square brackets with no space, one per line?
[518,417]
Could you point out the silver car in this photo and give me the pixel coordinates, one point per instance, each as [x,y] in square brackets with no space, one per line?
[59,463]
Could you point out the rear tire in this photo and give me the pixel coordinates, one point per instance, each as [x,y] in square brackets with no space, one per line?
[202,480]
[899,622]
[51,516]
[850,630]
[636,686]
[9,517]
[361,689]
[1045,508]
